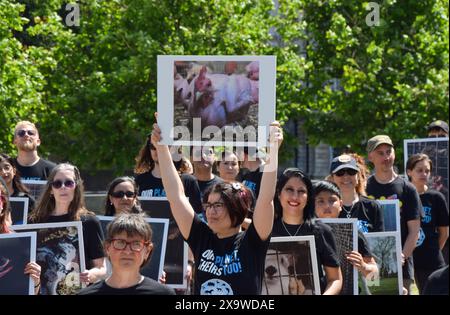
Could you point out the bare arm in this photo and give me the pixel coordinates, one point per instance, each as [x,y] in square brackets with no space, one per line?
[411,239]
[334,280]
[181,208]
[443,236]
[263,214]
[365,265]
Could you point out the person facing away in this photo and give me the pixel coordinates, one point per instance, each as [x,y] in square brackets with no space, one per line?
[128,245]
[11,176]
[31,268]
[386,184]
[434,226]
[345,172]
[228,261]
[328,204]
[294,210]
[28,162]
[62,200]
[122,197]
[437,282]
[438,129]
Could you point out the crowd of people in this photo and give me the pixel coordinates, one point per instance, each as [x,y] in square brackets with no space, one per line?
[228,211]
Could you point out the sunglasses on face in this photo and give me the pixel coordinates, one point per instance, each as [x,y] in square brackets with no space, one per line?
[135,246]
[344,171]
[121,194]
[57,184]
[23,132]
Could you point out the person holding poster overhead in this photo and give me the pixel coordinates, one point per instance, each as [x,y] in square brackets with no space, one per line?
[294,211]
[228,261]
[434,226]
[62,200]
[32,268]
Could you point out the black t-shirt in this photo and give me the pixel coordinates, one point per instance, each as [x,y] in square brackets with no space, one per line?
[369,214]
[229,266]
[437,283]
[363,245]
[38,171]
[326,249]
[427,254]
[146,287]
[252,180]
[151,186]
[405,192]
[204,185]
[92,236]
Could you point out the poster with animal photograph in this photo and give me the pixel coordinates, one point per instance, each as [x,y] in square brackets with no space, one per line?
[19,210]
[291,267]
[60,253]
[160,227]
[16,251]
[35,186]
[175,262]
[387,251]
[206,100]
[95,203]
[437,150]
[391,214]
[345,232]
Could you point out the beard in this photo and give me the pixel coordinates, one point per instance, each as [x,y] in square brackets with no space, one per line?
[27,146]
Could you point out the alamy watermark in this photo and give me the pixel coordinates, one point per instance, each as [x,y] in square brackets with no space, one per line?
[373,17]
[73,15]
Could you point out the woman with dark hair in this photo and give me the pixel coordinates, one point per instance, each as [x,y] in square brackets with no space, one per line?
[62,200]
[294,212]
[228,166]
[227,260]
[434,226]
[11,176]
[32,268]
[122,197]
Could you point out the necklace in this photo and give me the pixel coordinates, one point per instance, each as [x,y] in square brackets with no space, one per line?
[287,231]
[348,212]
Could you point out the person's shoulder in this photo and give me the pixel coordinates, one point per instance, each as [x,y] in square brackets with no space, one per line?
[321,227]
[94,288]
[47,163]
[435,194]
[188,178]
[155,287]
[367,202]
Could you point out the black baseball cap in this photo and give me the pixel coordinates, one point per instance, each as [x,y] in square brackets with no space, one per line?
[343,161]
[438,124]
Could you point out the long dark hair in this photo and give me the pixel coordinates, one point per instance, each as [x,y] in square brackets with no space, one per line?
[308,211]
[109,207]
[5,210]
[144,160]
[16,182]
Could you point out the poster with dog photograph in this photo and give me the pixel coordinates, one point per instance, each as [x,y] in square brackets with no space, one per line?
[16,251]
[345,232]
[60,253]
[35,186]
[206,100]
[19,210]
[437,151]
[391,214]
[175,262]
[387,251]
[160,227]
[291,267]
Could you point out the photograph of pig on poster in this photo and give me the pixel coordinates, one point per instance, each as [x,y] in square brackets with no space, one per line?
[220,95]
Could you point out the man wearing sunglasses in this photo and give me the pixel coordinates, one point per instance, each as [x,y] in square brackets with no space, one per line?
[386,184]
[28,162]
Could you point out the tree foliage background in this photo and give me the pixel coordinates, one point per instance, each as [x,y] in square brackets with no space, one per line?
[92,88]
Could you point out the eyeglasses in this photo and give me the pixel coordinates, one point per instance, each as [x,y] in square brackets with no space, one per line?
[217,206]
[121,194]
[57,184]
[23,132]
[135,246]
[344,171]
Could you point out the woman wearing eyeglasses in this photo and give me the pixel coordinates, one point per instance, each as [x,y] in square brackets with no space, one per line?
[128,246]
[348,175]
[228,261]
[294,212]
[31,268]
[62,200]
[122,197]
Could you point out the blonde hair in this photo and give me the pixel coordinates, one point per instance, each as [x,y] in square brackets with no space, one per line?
[25,122]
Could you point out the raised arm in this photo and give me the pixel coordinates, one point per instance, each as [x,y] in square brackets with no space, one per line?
[263,214]
[181,208]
